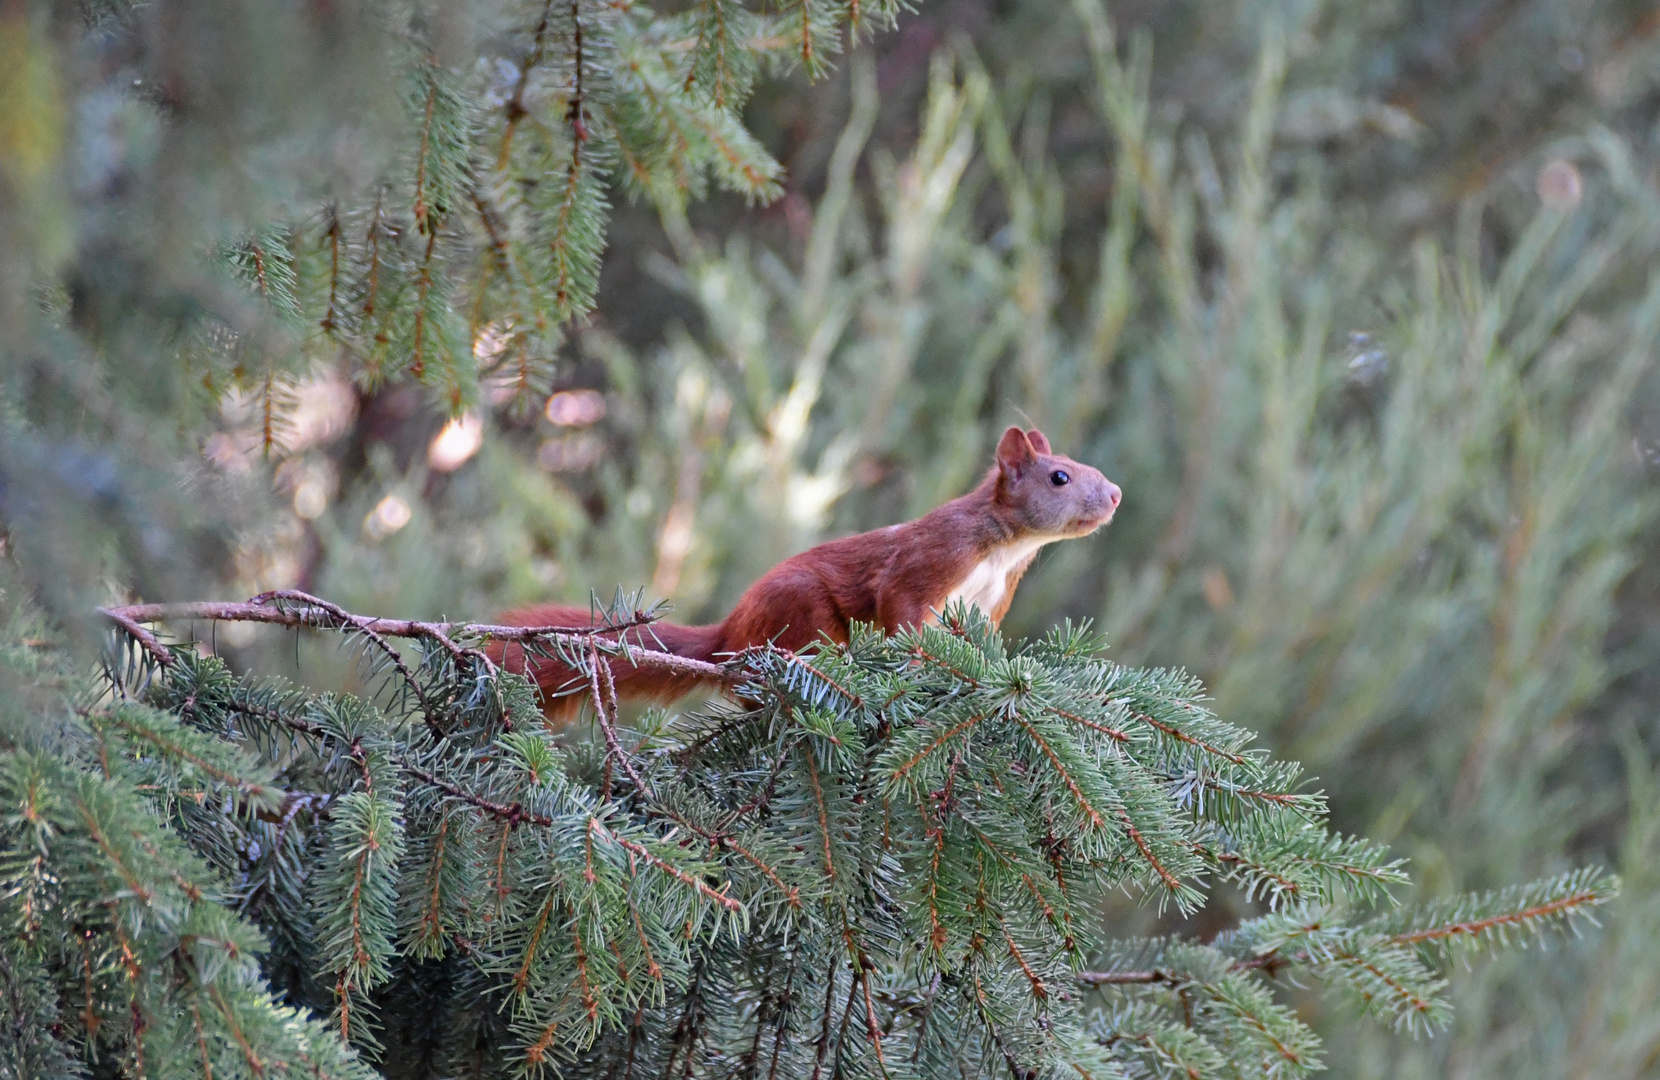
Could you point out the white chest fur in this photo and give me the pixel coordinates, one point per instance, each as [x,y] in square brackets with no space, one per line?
[987,583]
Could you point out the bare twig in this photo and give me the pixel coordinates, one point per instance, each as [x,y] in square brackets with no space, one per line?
[1121,978]
[598,669]
[364,626]
[321,615]
[133,628]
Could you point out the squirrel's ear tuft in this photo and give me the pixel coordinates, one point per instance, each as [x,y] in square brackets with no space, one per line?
[1039,441]
[1014,451]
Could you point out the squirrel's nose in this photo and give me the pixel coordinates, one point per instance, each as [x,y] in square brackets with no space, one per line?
[1114,494]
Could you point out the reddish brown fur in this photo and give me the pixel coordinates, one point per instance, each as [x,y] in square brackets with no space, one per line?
[894,577]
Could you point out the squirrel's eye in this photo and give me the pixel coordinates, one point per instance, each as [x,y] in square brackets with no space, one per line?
[1059,477]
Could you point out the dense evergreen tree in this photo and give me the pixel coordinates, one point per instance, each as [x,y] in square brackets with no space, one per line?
[1380,413]
[889,861]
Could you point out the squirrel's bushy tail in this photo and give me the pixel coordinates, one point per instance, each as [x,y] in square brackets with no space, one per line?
[564,688]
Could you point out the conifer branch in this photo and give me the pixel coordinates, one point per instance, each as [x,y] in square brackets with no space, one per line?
[764,791]
[1122,978]
[256,1065]
[515,108]
[423,293]
[1110,732]
[521,978]
[513,814]
[932,746]
[423,211]
[674,871]
[1039,991]
[180,750]
[1473,928]
[331,233]
[1171,882]
[1095,817]
[377,225]
[921,652]
[1182,736]
[823,811]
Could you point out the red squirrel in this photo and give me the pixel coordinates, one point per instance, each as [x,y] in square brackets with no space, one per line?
[974,548]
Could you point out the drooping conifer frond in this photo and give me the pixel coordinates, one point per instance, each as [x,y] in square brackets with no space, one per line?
[480,233]
[880,859]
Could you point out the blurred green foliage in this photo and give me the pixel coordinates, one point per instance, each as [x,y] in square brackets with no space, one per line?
[1354,300]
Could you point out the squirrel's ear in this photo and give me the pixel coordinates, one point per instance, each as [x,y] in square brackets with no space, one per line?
[1014,451]
[1039,441]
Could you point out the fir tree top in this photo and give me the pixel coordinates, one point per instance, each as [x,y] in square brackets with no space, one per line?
[883,859]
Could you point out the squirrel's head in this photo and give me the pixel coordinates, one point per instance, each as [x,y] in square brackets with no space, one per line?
[1049,494]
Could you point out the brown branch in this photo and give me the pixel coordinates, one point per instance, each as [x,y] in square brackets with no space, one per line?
[432,920]
[366,623]
[666,867]
[1418,1002]
[613,745]
[936,925]
[515,108]
[923,654]
[537,1051]
[376,225]
[422,218]
[652,969]
[1240,861]
[512,813]
[256,1064]
[1169,879]
[791,893]
[859,974]
[277,716]
[521,978]
[875,1033]
[1182,736]
[1279,798]
[364,626]
[823,813]
[916,759]
[268,420]
[618,627]
[1122,978]
[1078,792]
[588,1001]
[718,840]
[1016,1070]
[1110,732]
[329,323]
[764,792]
[1476,926]
[423,290]
[1039,991]
[151,644]
[573,112]
[322,615]
[138,731]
